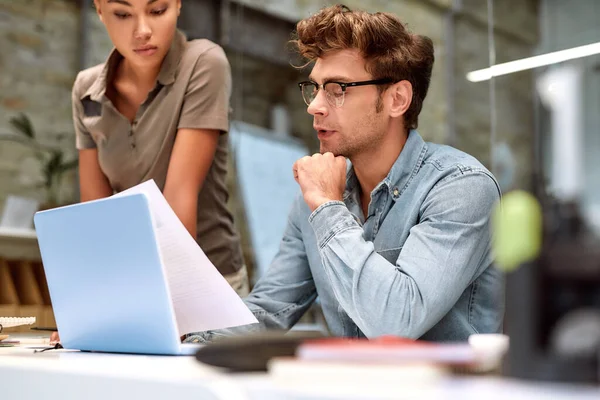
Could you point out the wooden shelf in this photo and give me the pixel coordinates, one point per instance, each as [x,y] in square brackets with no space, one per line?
[23,287]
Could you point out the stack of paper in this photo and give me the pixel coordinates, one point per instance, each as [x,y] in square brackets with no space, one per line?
[386,349]
[10,322]
[362,368]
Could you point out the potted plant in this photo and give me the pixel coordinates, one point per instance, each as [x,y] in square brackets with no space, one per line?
[51,158]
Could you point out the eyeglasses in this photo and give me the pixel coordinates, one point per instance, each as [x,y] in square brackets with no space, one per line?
[334,91]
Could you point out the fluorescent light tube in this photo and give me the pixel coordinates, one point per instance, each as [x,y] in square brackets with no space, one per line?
[534,62]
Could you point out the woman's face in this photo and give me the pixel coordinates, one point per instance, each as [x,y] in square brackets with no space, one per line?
[141,30]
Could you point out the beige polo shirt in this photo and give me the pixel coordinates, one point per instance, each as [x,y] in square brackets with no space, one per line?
[192,91]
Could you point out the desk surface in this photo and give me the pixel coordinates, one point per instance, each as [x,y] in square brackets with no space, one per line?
[74,375]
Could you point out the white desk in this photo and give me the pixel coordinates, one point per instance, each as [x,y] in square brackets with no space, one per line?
[74,375]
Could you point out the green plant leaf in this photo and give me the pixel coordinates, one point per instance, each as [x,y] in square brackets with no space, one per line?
[17,138]
[22,124]
[52,166]
[55,161]
[41,157]
[69,165]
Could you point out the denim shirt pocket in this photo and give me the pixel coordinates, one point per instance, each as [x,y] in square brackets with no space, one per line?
[391,255]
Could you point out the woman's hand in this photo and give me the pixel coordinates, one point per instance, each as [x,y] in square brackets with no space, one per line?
[54,338]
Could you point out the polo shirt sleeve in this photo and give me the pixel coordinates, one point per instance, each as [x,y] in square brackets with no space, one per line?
[206,101]
[83,138]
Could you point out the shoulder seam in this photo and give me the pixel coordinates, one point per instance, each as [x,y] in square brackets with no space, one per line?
[462,170]
[86,78]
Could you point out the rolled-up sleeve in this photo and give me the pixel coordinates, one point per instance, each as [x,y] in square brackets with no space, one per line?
[284,293]
[439,260]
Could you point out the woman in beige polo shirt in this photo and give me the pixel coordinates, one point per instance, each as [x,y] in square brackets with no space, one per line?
[158,109]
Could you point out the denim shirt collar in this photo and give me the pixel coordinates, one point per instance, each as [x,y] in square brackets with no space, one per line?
[166,76]
[402,172]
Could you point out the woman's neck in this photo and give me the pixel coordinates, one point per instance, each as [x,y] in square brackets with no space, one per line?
[139,76]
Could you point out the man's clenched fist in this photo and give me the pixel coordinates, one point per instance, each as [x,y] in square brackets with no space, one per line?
[321,177]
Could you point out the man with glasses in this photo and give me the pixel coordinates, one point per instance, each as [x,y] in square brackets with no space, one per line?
[397,242]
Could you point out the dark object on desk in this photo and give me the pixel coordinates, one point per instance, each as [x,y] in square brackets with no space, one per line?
[553,303]
[252,352]
[37,328]
[57,346]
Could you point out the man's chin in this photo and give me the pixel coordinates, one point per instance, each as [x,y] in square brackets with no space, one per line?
[325,149]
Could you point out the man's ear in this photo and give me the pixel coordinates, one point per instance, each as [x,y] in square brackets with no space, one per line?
[178,7]
[401,97]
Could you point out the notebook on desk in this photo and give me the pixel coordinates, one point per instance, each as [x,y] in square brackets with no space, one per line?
[110,288]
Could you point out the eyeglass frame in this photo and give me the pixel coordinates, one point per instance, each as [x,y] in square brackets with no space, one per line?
[343,85]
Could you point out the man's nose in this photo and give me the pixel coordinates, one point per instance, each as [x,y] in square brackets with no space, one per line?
[319,104]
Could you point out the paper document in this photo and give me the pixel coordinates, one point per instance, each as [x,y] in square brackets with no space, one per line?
[202,298]
[11,322]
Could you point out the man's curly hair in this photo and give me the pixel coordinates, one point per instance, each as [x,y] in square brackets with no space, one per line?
[390,50]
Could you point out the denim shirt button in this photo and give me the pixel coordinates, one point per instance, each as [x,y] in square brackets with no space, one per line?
[396,193]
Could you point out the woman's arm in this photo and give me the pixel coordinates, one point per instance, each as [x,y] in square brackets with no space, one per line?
[93,184]
[204,116]
[192,156]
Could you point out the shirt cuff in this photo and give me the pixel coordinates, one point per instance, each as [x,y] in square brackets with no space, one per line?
[216,123]
[84,142]
[329,219]
[198,337]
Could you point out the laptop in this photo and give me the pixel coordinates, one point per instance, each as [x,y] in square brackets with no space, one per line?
[106,279]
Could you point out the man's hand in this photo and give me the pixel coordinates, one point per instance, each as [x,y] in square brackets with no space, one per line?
[321,177]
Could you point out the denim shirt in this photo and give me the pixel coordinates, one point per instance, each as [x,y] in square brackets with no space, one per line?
[418,266]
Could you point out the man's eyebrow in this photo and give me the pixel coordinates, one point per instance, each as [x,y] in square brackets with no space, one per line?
[335,78]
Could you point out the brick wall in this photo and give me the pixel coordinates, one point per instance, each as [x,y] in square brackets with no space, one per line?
[38,64]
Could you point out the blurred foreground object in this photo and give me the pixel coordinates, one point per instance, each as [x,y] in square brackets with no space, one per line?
[553,301]
[546,244]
